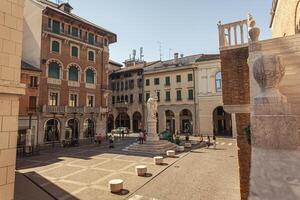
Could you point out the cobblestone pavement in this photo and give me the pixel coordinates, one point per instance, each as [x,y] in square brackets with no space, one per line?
[83,173]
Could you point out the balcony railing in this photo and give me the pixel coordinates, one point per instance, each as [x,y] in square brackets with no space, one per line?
[121,105]
[65,33]
[54,109]
[75,109]
[233,34]
[70,110]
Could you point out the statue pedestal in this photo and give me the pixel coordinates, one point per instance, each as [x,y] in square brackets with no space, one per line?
[151,132]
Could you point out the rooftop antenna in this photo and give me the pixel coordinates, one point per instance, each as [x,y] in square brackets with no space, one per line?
[134,54]
[160,50]
[170,50]
[141,54]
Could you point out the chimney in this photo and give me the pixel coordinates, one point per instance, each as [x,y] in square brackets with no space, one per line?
[66,7]
[181,55]
[176,59]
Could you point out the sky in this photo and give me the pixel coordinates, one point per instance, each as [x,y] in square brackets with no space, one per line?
[184,26]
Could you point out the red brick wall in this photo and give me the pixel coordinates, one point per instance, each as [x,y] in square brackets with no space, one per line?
[24,100]
[102,58]
[236,91]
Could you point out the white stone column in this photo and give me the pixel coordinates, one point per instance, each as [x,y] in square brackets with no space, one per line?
[177,122]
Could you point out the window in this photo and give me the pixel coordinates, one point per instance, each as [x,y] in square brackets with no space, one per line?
[73,100]
[33,82]
[91,55]
[218,81]
[147,96]
[53,99]
[49,23]
[91,38]
[90,76]
[62,27]
[122,86]
[75,32]
[74,51]
[178,94]
[126,85]
[55,26]
[156,81]
[90,100]
[122,98]
[131,84]
[190,77]
[168,96]
[140,98]
[178,78]
[113,99]
[69,30]
[147,82]
[191,94]
[158,96]
[55,46]
[118,99]
[126,98]
[167,81]
[73,73]
[32,102]
[131,98]
[54,70]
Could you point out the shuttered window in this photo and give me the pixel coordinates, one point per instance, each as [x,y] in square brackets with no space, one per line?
[74,51]
[55,46]
[90,76]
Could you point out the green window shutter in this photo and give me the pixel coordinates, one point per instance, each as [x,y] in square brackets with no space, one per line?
[91,38]
[190,77]
[147,96]
[178,92]
[49,23]
[158,96]
[156,81]
[75,32]
[191,94]
[147,82]
[178,78]
[55,46]
[74,52]
[73,73]
[54,70]
[168,96]
[167,81]
[55,27]
[90,77]
[91,56]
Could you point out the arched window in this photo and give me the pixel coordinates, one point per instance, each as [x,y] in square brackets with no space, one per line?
[90,76]
[218,81]
[54,70]
[73,73]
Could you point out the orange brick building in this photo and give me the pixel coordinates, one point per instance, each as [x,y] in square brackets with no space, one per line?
[73,55]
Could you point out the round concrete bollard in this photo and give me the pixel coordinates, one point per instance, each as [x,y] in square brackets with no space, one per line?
[141,170]
[180,148]
[188,145]
[116,185]
[158,160]
[170,153]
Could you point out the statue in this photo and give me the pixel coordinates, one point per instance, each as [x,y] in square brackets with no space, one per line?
[253,31]
[152,108]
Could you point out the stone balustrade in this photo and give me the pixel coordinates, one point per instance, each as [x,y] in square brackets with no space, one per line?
[233,34]
[71,110]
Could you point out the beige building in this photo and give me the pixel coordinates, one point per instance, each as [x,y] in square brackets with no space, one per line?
[126,100]
[11,29]
[186,91]
[212,117]
[285,18]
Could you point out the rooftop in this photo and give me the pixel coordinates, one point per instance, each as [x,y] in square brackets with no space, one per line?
[29,67]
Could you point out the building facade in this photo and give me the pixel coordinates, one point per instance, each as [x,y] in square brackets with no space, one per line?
[126,100]
[11,28]
[73,55]
[213,120]
[28,110]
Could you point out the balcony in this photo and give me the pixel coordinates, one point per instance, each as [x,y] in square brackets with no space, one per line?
[66,35]
[54,109]
[121,105]
[72,110]
[75,109]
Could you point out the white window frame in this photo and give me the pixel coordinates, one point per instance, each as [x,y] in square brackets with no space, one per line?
[218,89]
[78,47]
[87,100]
[89,85]
[57,40]
[88,50]
[52,80]
[58,96]
[73,93]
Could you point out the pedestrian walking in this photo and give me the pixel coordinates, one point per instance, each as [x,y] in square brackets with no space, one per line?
[141,137]
[208,142]
[111,141]
[215,141]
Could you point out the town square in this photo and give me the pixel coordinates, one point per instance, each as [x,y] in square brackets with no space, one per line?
[149,100]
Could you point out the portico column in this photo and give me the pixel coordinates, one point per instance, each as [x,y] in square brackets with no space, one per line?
[234,130]
[131,124]
[162,121]
[177,122]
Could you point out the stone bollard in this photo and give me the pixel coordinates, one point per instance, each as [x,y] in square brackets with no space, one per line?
[171,153]
[158,160]
[116,185]
[180,148]
[188,145]
[141,170]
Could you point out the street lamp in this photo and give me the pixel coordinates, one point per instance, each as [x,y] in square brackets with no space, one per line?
[93,128]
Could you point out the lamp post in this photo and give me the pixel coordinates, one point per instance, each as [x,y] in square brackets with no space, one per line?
[93,128]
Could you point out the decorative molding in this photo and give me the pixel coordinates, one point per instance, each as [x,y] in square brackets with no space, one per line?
[241,108]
